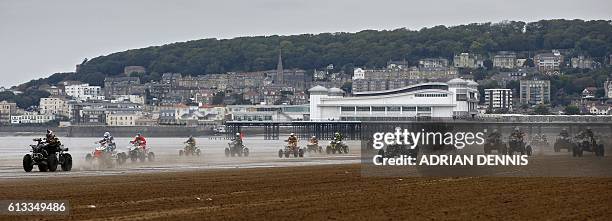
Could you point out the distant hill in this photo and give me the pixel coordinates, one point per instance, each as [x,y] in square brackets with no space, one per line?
[368,48]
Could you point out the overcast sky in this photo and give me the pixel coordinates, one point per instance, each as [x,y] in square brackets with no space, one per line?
[38,38]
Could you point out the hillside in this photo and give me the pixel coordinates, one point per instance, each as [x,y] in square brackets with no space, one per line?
[368,48]
[346,50]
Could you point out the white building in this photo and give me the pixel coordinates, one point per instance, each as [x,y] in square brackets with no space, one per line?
[55,106]
[358,74]
[608,88]
[137,99]
[457,97]
[498,98]
[32,118]
[504,59]
[466,60]
[549,63]
[84,92]
[267,112]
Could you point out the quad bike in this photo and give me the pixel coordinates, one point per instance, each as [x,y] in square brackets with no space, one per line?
[47,158]
[234,148]
[586,144]
[139,152]
[539,142]
[396,150]
[563,142]
[336,147]
[519,146]
[495,144]
[314,147]
[190,149]
[104,156]
[291,149]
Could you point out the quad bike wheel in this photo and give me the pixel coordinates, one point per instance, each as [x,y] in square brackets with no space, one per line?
[66,162]
[227,152]
[42,167]
[528,150]
[577,151]
[301,153]
[88,157]
[328,150]
[142,157]
[151,157]
[280,153]
[52,162]
[27,163]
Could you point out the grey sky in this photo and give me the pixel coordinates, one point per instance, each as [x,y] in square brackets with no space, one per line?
[38,38]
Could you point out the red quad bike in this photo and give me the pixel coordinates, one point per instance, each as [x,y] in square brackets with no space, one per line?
[137,151]
[103,156]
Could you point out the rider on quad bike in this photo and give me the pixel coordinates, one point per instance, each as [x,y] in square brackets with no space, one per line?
[517,134]
[564,133]
[237,139]
[338,137]
[588,135]
[140,140]
[53,143]
[191,142]
[292,140]
[109,141]
[313,140]
[495,136]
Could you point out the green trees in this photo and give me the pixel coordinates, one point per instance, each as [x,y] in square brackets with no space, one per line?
[365,48]
[572,110]
[368,48]
[28,98]
[541,110]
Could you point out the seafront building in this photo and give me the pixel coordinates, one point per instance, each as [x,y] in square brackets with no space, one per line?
[455,98]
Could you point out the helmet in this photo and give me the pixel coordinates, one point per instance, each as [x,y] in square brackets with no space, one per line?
[107,134]
[588,128]
[494,130]
[563,129]
[138,135]
[292,134]
[337,133]
[50,133]
[516,129]
[237,134]
[314,137]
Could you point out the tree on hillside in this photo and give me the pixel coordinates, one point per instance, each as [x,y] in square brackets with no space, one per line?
[572,110]
[541,110]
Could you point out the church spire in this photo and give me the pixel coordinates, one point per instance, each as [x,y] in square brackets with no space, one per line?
[279,68]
